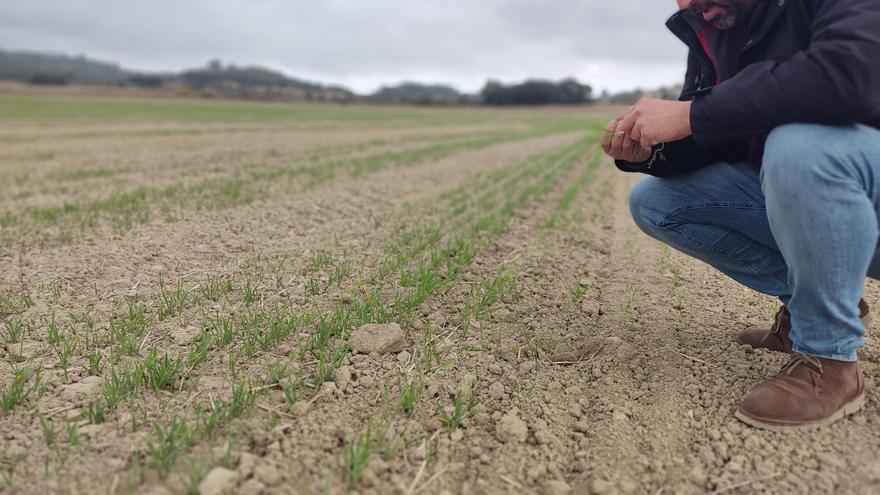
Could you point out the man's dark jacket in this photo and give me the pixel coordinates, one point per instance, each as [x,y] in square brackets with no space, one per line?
[806,61]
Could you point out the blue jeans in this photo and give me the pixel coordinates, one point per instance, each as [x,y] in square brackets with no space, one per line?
[803,228]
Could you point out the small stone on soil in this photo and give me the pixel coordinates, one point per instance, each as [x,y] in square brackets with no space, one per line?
[342,377]
[382,339]
[268,474]
[496,390]
[511,429]
[557,487]
[251,487]
[86,386]
[218,481]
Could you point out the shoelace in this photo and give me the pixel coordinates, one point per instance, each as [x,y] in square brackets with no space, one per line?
[813,364]
[778,320]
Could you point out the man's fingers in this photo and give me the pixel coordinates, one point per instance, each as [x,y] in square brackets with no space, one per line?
[636,133]
[626,125]
[608,135]
[627,147]
[612,124]
[617,143]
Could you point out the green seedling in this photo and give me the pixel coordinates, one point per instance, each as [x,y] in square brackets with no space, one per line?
[96,367]
[243,397]
[291,390]
[578,292]
[409,391]
[222,330]
[172,302]
[13,331]
[198,349]
[18,391]
[313,287]
[73,433]
[121,383]
[208,420]
[390,446]
[167,443]
[194,475]
[56,291]
[161,373]
[340,273]
[48,431]
[461,409]
[249,292]
[355,456]
[95,412]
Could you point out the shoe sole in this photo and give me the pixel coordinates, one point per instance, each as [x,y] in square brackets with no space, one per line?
[848,409]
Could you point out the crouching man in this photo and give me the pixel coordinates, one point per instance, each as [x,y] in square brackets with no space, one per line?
[768,169]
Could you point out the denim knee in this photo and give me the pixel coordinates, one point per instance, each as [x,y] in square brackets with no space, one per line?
[796,155]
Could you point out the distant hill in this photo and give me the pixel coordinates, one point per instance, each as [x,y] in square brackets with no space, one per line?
[49,68]
[258,82]
[212,80]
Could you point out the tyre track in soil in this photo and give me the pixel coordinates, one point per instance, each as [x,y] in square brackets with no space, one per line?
[661,416]
[632,412]
[521,437]
[602,420]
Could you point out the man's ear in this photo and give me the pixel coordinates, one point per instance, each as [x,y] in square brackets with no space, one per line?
[684,4]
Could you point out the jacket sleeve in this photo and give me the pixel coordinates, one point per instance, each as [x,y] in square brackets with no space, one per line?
[670,159]
[835,81]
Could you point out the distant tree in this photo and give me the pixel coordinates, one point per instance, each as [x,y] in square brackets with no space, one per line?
[146,81]
[535,92]
[418,94]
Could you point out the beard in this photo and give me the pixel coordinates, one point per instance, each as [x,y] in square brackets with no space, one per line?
[733,11]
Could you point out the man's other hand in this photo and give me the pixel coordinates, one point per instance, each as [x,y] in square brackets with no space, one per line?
[651,122]
[619,146]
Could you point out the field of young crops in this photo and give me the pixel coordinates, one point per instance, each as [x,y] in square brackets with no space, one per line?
[220,297]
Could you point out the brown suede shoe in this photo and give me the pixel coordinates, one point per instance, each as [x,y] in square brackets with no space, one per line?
[776,339]
[809,392]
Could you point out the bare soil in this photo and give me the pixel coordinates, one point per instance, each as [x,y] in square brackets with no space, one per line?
[606,364]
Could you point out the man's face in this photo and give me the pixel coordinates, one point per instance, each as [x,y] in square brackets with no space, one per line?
[723,13]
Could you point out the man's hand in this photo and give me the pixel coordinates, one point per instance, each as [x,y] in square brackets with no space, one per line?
[651,122]
[619,146]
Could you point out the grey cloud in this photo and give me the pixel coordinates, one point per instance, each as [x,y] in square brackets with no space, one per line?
[362,43]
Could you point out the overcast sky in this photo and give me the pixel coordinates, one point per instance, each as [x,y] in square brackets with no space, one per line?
[363,44]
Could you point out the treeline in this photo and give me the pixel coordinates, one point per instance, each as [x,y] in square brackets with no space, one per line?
[566,92]
[229,81]
[412,93]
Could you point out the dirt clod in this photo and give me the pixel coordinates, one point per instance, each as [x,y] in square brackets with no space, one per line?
[557,487]
[85,387]
[511,429]
[219,481]
[267,474]
[343,376]
[381,339]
